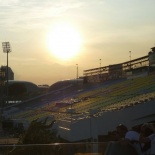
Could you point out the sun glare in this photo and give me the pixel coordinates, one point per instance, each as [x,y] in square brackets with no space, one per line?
[64,41]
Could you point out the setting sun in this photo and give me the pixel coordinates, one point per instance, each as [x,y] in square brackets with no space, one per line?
[64,41]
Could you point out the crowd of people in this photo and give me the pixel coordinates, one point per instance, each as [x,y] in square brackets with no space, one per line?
[141,138]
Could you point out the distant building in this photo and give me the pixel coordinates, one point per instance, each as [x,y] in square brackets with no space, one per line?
[129,69]
[3,73]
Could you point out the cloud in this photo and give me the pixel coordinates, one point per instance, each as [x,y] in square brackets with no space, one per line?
[28,14]
[15,13]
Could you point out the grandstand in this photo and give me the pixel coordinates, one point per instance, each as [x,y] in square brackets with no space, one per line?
[93,106]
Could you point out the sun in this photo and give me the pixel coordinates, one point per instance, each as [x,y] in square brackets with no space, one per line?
[64,41]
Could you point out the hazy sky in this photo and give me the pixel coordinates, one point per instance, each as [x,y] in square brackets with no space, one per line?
[109,29]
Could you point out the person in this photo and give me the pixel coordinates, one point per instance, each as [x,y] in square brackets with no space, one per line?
[120,146]
[132,138]
[121,130]
[129,137]
[147,138]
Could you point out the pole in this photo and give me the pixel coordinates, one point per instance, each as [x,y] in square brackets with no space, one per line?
[100,66]
[130,59]
[100,71]
[6,49]
[77,71]
[7,87]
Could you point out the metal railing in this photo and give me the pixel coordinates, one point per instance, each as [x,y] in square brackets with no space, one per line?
[82,148]
[87,148]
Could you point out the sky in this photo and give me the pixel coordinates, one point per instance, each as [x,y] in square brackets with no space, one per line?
[108,30]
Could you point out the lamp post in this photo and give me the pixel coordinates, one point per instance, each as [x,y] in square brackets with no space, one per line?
[100,71]
[6,49]
[130,59]
[100,66]
[77,71]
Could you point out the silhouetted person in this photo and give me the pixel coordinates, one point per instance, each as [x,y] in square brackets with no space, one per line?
[121,130]
[129,137]
[147,138]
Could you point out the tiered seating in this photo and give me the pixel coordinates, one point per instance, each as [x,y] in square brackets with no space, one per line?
[108,96]
[123,93]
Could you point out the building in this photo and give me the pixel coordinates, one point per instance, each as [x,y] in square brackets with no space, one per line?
[3,73]
[3,79]
[129,69]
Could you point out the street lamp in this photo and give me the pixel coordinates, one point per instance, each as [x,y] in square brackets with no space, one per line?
[6,49]
[77,71]
[100,71]
[100,66]
[130,59]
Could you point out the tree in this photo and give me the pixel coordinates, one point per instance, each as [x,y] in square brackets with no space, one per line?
[39,132]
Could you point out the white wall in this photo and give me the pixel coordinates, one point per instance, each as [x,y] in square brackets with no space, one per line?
[131,116]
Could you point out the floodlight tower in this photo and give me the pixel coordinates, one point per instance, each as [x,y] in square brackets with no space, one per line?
[6,49]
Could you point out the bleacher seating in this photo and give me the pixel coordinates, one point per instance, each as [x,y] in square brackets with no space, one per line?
[111,95]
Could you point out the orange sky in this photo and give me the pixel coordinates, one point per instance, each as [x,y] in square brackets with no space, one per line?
[109,29]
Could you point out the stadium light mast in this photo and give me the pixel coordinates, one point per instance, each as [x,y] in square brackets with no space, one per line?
[6,49]
[77,71]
